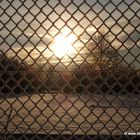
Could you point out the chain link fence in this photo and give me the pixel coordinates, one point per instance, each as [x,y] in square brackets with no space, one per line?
[69,69]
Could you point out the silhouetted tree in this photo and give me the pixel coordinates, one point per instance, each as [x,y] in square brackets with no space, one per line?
[104,55]
[16,77]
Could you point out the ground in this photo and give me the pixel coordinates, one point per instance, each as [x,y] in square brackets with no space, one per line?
[70,114]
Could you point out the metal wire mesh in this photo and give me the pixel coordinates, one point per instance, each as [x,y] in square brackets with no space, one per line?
[69,69]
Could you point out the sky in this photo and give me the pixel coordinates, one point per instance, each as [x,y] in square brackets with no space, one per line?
[28,24]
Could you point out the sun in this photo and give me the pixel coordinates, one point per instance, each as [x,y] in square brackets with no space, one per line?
[62,45]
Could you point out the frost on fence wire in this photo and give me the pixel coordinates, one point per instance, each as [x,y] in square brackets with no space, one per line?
[69,67]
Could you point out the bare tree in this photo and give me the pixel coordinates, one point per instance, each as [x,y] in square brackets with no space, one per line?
[104,55]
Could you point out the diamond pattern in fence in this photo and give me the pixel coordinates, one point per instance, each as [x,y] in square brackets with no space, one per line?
[69,69]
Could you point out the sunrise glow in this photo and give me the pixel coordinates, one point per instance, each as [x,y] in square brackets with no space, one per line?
[62,45]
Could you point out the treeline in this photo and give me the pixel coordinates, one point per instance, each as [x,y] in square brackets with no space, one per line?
[19,78]
[16,78]
[91,81]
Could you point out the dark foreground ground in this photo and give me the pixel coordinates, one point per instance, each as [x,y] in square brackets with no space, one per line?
[70,115]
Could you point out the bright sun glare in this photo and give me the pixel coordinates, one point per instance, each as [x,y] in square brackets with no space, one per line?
[62,45]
